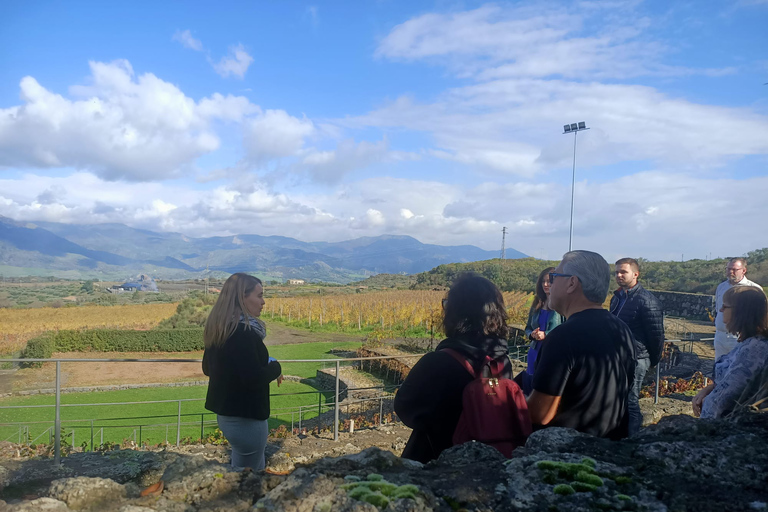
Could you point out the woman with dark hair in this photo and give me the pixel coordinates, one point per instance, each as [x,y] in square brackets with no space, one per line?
[430,399]
[745,313]
[240,369]
[541,320]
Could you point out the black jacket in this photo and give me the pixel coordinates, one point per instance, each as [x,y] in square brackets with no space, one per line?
[430,399]
[240,374]
[644,315]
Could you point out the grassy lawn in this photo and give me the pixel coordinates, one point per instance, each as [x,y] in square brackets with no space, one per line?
[158,420]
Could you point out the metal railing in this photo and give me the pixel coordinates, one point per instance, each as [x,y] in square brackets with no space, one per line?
[58,405]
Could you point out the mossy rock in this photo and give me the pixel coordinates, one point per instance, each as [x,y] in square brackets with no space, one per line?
[563,490]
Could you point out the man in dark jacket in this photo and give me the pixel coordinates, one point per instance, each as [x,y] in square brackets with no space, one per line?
[642,312]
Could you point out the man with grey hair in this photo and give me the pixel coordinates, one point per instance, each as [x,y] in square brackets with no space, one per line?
[587,365]
[736,274]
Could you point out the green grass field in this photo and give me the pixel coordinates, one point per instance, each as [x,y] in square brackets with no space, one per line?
[153,422]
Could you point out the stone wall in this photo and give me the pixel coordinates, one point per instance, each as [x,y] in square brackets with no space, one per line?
[686,305]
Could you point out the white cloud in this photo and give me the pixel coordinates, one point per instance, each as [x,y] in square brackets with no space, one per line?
[331,166]
[535,41]
[187,41]
[652,214]
[275,134]
[235,64]
[119,126]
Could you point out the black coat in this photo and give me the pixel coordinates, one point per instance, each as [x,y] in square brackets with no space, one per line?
[240,374]
[430,399]
[644,315]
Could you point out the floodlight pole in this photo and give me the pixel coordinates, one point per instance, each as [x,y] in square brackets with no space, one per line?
[575,128]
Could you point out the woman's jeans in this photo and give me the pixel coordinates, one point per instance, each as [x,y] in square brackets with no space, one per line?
[633,405]
[247,438]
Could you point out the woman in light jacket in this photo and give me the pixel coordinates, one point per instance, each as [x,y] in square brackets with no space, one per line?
[745,313]
[541,320]
[240,369]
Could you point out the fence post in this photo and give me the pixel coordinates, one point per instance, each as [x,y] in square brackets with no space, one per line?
[57,418]
[658,373]
[166,434]
[139,435]
[73,438]
[91,435]
[381,408]
[202,427]
[299,419]
[178,426]
[336,406]
[291,422]
[101,430]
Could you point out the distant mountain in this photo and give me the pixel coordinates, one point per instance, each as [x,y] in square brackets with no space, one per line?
[105,250]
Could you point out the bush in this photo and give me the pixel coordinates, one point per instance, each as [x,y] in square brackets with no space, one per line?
[38,348]
[114,340]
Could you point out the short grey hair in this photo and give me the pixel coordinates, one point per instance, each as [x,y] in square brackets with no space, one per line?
[593,272]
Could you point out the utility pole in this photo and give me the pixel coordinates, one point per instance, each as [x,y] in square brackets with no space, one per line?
[503,240]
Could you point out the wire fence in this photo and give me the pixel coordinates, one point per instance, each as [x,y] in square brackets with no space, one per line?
[171,421]
[184,417]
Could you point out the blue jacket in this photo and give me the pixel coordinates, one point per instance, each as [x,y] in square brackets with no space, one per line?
[554,320]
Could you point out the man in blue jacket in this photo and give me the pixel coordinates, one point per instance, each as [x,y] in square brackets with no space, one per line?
[644,315]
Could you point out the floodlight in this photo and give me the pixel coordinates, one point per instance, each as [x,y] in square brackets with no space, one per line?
[582,125]
[574,126]
[567,128]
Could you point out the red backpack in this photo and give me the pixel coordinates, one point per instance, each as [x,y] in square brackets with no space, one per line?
[494,408]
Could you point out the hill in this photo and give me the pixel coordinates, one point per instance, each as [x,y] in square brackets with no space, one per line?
[115,250]
[693,276]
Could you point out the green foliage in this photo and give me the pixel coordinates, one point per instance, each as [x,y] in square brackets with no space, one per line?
[624,497]
[113,340]
[692,276]
[563,489]
[583,487]
[191,312]
[589,462]
[38,348]
[587,478]
[377,491]
[623,480]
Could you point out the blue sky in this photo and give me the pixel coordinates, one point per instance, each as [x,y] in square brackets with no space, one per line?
[439,120]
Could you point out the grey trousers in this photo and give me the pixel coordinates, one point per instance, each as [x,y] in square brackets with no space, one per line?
[247,438]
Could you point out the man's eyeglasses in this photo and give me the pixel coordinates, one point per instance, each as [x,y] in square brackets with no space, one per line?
[553,275]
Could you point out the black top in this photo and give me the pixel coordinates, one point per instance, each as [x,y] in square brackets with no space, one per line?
[589,361]
[644,315]
[240,374]
[430,399]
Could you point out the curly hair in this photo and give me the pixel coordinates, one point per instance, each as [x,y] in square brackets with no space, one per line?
[474,307]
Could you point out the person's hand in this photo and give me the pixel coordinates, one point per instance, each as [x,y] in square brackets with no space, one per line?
[698,400]
[540,335]
[279,380]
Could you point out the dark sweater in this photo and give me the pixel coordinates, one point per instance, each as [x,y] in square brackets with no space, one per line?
[430,399]
[644,315]
[240,374]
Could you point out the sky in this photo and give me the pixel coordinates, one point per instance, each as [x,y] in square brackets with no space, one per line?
[441,120]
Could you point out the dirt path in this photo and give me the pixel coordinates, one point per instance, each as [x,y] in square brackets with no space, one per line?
[103,374]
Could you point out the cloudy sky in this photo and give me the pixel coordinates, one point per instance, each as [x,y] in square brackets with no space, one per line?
[440,120]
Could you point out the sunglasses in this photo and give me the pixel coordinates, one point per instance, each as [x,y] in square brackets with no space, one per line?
[553,275]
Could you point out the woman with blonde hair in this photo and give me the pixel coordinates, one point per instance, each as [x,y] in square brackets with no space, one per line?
[745,313]
[240,369]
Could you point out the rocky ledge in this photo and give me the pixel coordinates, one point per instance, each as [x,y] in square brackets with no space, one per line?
[679,464]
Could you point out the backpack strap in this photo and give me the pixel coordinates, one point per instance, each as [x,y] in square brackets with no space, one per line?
[461,359]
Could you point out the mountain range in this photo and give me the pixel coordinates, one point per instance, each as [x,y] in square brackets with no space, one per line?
[115,251]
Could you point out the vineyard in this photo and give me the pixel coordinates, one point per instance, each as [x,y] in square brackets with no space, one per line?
[387,310]
[19,325]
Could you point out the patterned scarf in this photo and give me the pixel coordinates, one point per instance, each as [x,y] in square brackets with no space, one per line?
[256,324]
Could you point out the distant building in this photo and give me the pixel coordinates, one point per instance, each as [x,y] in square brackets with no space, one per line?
[144,283]
[296,281]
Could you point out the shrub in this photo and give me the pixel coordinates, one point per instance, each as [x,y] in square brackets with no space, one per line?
[114,340]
